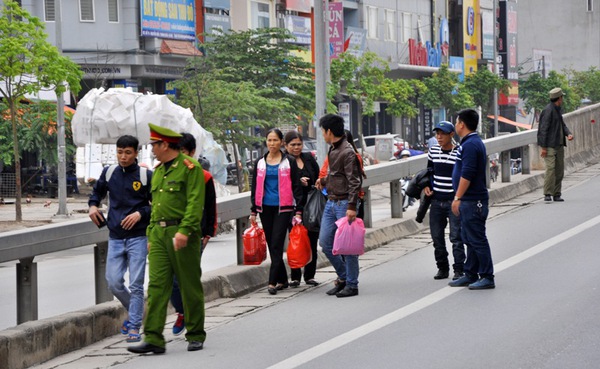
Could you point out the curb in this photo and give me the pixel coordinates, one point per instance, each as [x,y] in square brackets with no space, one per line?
[37,341]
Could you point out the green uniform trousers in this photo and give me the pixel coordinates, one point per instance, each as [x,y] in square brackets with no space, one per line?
[164,261]
[555,170]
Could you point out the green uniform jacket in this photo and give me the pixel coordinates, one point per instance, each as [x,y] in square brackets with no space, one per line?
[178,194]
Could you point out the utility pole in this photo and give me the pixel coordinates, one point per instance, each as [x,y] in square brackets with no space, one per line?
[60,125]
[321,72]
[495,9]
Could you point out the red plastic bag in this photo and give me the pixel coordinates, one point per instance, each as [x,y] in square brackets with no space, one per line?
[349,238]
[255,245]
[299,253]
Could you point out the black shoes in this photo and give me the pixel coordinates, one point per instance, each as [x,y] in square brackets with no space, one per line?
[548,199]
[339,285]
[146,348]
[195,345]
[312,282]
[294,284]
[272,290]
[457,275]
[441,274]
[347,292]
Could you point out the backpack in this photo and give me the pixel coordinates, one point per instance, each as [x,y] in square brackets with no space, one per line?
[143,174]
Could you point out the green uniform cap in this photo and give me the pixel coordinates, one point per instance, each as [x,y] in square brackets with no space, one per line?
[158,133]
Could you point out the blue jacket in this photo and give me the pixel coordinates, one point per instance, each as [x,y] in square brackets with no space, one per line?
[126,195]
[471,160]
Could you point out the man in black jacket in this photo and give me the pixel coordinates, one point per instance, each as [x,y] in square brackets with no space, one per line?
[128,188]
[552,132]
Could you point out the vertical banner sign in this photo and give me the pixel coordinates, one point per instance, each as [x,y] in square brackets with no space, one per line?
[471,35]
[508,50]
[427,123]
[488,22]
[344,112]
[170,19]
[336,29]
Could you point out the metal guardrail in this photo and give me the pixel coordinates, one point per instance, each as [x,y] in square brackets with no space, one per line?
[25,245]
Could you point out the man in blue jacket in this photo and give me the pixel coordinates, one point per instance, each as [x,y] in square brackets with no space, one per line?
[471,203]
[128,188]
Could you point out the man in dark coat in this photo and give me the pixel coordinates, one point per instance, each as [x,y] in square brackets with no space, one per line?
[552,132]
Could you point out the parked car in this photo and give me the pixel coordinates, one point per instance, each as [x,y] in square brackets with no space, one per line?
[381,147]
[310,145]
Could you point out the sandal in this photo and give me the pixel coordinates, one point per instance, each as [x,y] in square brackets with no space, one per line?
[294,284]
[272,290]
[125,328]
[312,282]
[134,336]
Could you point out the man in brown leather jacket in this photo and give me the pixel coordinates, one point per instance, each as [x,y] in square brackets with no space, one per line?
[551,135]
[343,185]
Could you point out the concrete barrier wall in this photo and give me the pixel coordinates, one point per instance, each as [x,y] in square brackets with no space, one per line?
[584,125]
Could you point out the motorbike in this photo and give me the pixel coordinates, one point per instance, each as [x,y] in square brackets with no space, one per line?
[406,200]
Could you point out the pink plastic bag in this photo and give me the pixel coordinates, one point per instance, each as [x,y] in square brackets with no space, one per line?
[349,238]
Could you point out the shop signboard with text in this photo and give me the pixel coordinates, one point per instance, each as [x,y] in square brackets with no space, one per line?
[470,35]
[170,19]
[507,50]
[336,29]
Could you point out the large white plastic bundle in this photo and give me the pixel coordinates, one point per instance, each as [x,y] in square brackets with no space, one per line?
[102,116]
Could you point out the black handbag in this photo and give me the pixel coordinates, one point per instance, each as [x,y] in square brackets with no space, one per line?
[313,210]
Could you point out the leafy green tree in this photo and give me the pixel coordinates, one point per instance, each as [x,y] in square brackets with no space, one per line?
[444,90]
[28,63]
[481,85]
[267,58]
[246,80]
[586,83]
[400,95]
[534,92]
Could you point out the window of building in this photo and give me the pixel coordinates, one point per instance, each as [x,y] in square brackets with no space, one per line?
[86,10]
[49,11]
[113,10]
[390,25]
[371,22]
[590,5]
[261,15]
[406,26]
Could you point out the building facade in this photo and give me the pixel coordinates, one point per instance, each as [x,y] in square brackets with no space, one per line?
[554,35]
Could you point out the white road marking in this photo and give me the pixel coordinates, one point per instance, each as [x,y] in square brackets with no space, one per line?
[343,339]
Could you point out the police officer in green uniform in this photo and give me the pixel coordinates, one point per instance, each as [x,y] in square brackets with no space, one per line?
[174,241]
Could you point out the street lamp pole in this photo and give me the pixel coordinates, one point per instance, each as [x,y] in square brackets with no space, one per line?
[60,125]
[495,17]
[321,73]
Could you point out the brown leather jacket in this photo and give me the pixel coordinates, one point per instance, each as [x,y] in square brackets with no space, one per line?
[344,179]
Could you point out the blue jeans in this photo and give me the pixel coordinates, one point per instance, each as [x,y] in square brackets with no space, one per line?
[122,254]
[440,212]
[473,215]
[345,266]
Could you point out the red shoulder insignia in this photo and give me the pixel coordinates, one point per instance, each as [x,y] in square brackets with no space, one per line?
[188,164]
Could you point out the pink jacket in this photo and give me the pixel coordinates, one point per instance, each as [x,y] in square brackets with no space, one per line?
[290,193]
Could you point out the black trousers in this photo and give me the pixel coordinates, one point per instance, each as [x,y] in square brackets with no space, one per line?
[276,225]
[311,268]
